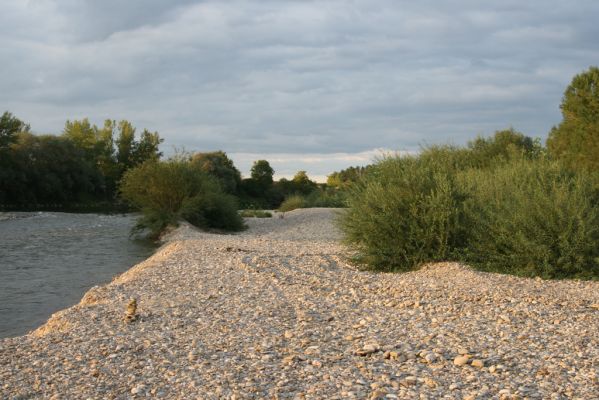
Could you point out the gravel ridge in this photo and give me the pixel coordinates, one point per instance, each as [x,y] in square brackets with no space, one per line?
[278,312]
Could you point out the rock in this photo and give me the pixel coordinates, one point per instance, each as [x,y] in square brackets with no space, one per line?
[431,383]
[138,389]
[378,394]
[460,361]
[477,363]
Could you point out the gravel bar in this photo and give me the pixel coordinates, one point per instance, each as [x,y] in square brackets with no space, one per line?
[278,312]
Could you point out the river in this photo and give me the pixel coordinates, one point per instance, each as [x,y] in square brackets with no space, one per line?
[49,260]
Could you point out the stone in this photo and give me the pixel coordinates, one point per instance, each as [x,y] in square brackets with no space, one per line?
[477,363]
[460,361]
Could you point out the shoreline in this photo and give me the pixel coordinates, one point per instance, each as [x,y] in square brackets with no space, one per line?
[277,311]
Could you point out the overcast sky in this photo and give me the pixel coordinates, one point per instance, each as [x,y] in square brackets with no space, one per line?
[314,85]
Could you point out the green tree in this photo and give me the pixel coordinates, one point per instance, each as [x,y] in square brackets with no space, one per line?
[262,174]
[576,139]
[147,148]
[221,167]
[302,183]
[9,127]
[169,191]
[125,144]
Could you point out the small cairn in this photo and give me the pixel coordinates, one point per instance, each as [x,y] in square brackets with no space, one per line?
[131,313]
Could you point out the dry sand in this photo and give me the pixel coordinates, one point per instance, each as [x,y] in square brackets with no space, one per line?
[277,312]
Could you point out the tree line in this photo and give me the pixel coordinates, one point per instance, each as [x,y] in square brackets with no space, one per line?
[81,167]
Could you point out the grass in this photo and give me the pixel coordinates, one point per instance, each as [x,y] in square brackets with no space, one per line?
[255,214]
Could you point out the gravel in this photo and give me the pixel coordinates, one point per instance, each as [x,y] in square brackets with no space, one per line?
[279,312]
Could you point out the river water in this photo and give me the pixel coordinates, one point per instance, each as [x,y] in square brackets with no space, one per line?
[49,260]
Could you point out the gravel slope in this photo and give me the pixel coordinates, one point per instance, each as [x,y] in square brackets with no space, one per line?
[276,312]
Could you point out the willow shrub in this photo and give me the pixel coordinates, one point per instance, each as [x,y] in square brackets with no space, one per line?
[405,212]
[518,215]
[532,218]
[168,191]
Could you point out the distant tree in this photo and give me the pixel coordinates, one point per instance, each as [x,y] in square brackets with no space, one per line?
[302,183]
[125,144]
[345,177]
[147,148]
[9,127]
[262,173]
[501,144]
[221,167]
[576,139]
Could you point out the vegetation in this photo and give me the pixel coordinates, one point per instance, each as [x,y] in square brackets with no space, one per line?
[255,214]
[78,169]
[575,140]
[168,191]
[292,202]
[499,204]
[531,218]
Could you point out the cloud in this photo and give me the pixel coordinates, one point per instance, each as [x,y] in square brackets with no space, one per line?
[284,77]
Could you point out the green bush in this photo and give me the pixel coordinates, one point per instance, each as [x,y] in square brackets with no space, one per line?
[292,202]
[532,218]
[328,198]
[168,191]
[518,214]
[406,212]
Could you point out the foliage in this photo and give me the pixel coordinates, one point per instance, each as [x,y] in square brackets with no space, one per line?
[262,173]
[221,167]
[46,171]
[176,189]
[327,197]
[255,214]
[346,177]
[292,203]
[532,218]
[77,169]
[517,212]
[406,212]
[10,126]
[576,139]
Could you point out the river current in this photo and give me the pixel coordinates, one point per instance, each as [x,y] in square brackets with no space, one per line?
[49,260]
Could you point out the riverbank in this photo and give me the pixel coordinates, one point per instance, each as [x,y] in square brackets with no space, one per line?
[277,312]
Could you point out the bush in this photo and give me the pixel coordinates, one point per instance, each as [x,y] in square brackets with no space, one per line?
[405,212]
[328,197]
[518,214]
[292,202]
[532,218]
[168,191]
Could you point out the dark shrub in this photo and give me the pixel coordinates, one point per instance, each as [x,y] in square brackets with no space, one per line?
[171,190]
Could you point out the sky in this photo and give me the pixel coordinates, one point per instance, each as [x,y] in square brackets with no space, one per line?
[307,85]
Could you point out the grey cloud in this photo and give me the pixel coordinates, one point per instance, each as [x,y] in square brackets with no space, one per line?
[296,76]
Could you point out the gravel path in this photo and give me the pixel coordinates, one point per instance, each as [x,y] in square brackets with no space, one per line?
[278,313]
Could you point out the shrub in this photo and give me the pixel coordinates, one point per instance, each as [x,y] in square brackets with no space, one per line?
[330,198]
[168,191]
[405,212]
[292,202]
[532,218]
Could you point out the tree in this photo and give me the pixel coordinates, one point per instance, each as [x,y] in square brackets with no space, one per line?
[576,139]
[501,145]
[302,183]
[262,173]
[221,167]
[9,127]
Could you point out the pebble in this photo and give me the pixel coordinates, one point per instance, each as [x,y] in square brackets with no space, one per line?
[460,361]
